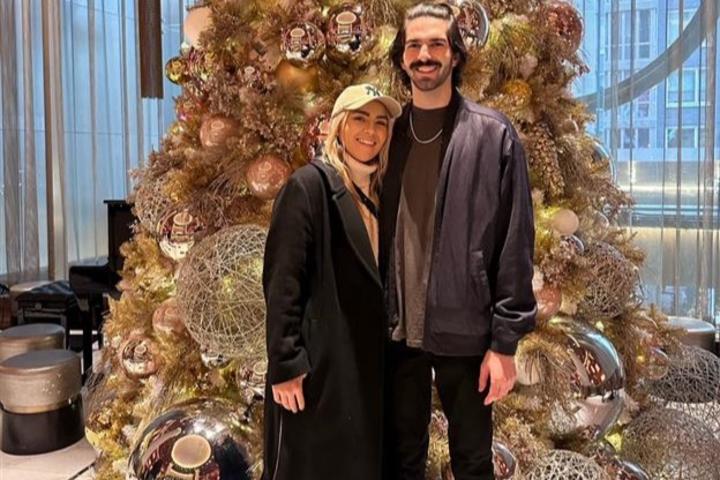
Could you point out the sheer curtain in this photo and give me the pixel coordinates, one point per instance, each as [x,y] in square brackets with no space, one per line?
[107,129]
[653,89]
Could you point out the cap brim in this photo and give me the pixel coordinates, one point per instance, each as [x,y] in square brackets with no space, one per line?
[391,105]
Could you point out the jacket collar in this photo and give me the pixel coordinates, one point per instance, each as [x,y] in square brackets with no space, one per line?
[352,222]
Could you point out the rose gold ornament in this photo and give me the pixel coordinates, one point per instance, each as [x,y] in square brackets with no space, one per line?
[349,32]
[472,21]
[566,23]
[197,20]
[565,221]
[291,77]
[266,176]
[215,130]
[138,356]
[549,299]
[303,43]
[178,231]
[167,319]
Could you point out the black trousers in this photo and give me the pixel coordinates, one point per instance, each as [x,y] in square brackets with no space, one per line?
[408,410]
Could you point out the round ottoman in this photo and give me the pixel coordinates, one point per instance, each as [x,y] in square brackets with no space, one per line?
[699,332]
[40,402]
[33,336]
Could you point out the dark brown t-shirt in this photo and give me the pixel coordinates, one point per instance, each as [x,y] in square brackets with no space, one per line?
[415,222]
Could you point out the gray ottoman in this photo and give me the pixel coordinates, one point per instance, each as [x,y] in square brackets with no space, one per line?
[26,338]
[699,332]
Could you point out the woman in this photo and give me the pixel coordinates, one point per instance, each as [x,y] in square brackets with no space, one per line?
[325,312]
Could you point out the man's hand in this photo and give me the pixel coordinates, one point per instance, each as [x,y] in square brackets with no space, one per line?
[500,371]
[290,394]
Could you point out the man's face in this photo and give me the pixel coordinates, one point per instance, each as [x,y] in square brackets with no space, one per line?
[428,59]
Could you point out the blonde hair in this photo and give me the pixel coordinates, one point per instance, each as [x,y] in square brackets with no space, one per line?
[333,154]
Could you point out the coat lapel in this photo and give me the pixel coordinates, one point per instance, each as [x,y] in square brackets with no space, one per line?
[352,222]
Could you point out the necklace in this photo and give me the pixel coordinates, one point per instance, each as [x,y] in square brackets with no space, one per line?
[423,142]
[365,200]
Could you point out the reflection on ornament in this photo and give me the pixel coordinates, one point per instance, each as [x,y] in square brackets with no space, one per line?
[252,77]
[200,440]
[565,222]
[349,32]
[215,130]
[549,299]
[657,364]
[295,78]
[504,462]
[175,70]
[602,159]
[565,22]
[178,232]
[528,369]
[599,381]
[626,470]
[303,43]
[472,20]
[197,20]
[315,134]
[213,359]
[167,319]
[138,356]
[266,176]
[574,244]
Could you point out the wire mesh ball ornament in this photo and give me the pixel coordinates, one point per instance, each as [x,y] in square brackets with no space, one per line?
[200,439]
[303,43]
[614,283]
[151,203]
[219,291]
[671,445]
[349,32]
[598,381]
[472,21]
[178,230]
[692,386]
[566,465]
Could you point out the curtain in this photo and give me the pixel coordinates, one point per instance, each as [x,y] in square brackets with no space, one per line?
[653,90]
[107,129]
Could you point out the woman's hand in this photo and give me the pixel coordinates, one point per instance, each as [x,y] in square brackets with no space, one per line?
[290,394]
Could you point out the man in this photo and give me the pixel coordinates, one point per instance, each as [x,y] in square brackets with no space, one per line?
[456,246]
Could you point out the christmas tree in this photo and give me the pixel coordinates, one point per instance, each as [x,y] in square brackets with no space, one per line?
[180,387]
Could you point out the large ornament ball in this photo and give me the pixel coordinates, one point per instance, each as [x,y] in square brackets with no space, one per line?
[565,221]
[178,231]
[199,439]
[139,356]
[167,319]
[565,465]
[292,78]
[626,470]
[549,299]
[573,243]
[266,176]
[601,158]
[349,32]
[176,70]
[216,129]
[197,20]
[504,462]
[219,291]
[303,43]
[472,20]
[565,22]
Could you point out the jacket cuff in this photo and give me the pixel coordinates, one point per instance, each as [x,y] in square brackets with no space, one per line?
[503,346]
[280,372]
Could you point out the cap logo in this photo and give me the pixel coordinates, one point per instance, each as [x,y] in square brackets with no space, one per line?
[372,91]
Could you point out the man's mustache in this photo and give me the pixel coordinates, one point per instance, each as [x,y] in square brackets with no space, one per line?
[429,63]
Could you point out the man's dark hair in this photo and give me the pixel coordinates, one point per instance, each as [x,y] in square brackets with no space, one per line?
[454,37]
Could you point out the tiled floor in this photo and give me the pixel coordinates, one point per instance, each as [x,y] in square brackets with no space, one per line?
[71,463]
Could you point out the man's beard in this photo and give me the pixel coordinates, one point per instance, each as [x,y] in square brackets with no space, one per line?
[429,84]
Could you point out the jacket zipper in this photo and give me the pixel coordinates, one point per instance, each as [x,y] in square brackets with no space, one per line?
[280,439]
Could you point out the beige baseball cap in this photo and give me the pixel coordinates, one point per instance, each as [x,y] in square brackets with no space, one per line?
[357,96]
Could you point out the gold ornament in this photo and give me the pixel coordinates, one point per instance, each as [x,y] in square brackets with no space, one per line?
[216,130]
[295,78]
[197,20]
[565,221]
[139,356]
[349,32]
[267,175]
[167,319]
[472,21]
[176,70]
[178,231]
[520,92]
[303,43]
[549,299]
[566,24]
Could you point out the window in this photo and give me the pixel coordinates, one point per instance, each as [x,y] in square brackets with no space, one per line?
[629,42]
[629,138]
[689,137]
[691,92]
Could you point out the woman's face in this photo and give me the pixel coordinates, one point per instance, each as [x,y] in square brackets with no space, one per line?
[365,132]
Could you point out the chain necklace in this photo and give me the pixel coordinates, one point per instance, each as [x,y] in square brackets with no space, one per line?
[423,142]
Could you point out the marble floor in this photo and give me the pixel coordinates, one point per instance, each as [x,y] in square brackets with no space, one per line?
[71,463]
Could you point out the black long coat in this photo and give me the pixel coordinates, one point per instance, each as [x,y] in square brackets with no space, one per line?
[326,318]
